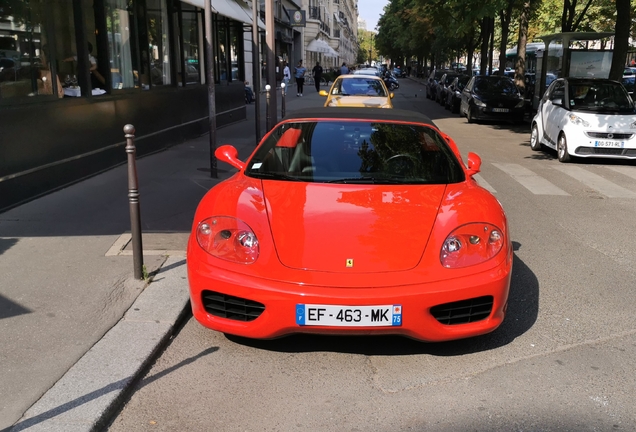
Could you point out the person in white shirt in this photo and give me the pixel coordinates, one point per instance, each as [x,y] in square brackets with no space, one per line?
[286,76]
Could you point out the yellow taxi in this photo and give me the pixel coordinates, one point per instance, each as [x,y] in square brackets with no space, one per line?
[358,91]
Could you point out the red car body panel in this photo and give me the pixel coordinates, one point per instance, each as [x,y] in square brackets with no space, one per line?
[306,233]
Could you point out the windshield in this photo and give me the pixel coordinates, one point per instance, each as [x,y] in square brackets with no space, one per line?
[599,96]
[341,151]
[494,85]
[462,81]
[449,79]
[359,87]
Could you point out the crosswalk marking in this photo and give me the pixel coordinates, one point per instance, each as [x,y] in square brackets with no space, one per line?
[483,183]
[531,181]
[628,171]
[596,182]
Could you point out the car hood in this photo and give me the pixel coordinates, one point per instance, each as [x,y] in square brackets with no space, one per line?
[351,228]
[360,101]
[607,121]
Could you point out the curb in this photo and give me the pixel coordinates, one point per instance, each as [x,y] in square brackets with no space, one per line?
[86,397]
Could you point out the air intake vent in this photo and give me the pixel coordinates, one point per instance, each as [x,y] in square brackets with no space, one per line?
[463,312]
[234,308]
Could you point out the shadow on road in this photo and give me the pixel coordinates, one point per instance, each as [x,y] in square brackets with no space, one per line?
[523,308]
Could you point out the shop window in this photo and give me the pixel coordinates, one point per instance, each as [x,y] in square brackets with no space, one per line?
[220,59]
[28,66]
[236,52]
[190,28]
[159,42]
[120,36]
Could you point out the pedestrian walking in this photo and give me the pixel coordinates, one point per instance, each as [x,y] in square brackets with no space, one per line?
[299,74]
[286,76]
[344,69]
[317,72]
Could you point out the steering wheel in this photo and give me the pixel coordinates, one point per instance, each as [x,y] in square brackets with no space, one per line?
[400,164]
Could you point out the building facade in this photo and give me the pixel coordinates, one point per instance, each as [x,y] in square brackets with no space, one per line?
[333,22]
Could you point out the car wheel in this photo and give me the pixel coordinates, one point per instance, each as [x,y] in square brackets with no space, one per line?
[562,149]
[535,140]
[469,115]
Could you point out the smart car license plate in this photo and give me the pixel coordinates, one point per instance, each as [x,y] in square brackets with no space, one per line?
[605,143]
[500,110]
[349,316]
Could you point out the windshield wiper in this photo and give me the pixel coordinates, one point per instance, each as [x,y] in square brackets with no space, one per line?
[273,176]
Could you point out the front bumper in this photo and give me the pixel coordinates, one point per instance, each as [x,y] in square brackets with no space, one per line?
[487,113]
[280,299]
[584,143]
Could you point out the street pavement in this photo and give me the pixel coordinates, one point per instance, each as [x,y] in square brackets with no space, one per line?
[76,328]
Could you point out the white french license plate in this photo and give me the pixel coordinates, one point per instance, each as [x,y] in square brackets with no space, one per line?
[604,143]
[349,316]
[500,110]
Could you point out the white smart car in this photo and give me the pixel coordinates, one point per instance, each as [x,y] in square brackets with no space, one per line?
[583,117]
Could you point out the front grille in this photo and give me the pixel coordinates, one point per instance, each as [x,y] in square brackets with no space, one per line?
[230,307]
[605,135]
[605,151]
[463,312]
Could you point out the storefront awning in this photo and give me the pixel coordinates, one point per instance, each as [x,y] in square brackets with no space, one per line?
[234,9]
[322,47]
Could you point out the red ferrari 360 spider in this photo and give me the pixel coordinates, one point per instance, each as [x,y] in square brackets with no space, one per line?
[351,221]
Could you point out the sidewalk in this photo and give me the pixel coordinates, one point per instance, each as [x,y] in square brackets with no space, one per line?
[67,355]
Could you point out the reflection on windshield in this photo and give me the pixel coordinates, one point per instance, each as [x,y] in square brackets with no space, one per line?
[495,86]
[599,96]
[359,87]
[355,152]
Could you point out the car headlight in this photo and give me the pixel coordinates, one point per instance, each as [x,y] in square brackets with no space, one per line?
[633,126]
[521,103]
[333,103]
[479,103]
[578,120]
[228,238]
[471,244]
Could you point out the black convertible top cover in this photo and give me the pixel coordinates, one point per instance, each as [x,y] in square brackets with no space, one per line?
[379,114]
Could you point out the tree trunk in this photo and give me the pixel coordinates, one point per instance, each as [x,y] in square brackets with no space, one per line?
[504,17]
[520,63]
[621,39]
[485,37]
[492,44]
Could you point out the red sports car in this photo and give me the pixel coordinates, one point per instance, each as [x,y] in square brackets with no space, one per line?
[351,221]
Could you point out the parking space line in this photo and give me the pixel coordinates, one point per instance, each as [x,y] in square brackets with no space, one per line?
[596,182]
[483,183]
[530,180]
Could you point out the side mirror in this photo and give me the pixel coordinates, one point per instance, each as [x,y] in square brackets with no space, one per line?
[229,154]
[391,95]
[474,164]
[557,102]
[323,93]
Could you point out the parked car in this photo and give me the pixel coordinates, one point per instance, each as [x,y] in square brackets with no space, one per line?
[454,93]
[422,250]
[441,89]
[629,82]
[358,91]
[492,97]
[431,83]
[585,117]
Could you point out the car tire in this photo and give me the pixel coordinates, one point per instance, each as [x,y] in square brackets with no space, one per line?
[535,139]
[562,149]
[469,115]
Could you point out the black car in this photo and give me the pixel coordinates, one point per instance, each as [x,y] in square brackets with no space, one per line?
[454,93]
[442,87]
[431,83]
[492,97]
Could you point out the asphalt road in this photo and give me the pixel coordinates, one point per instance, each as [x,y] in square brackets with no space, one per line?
[563,360]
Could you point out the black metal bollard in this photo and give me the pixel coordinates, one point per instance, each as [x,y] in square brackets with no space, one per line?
[267,89]
[133,203]
[282,100]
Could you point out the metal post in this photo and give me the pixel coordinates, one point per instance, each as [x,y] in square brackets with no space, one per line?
[282,100]
[209,78]
[270,41]
[267,99]
[256,70]
[133,203]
